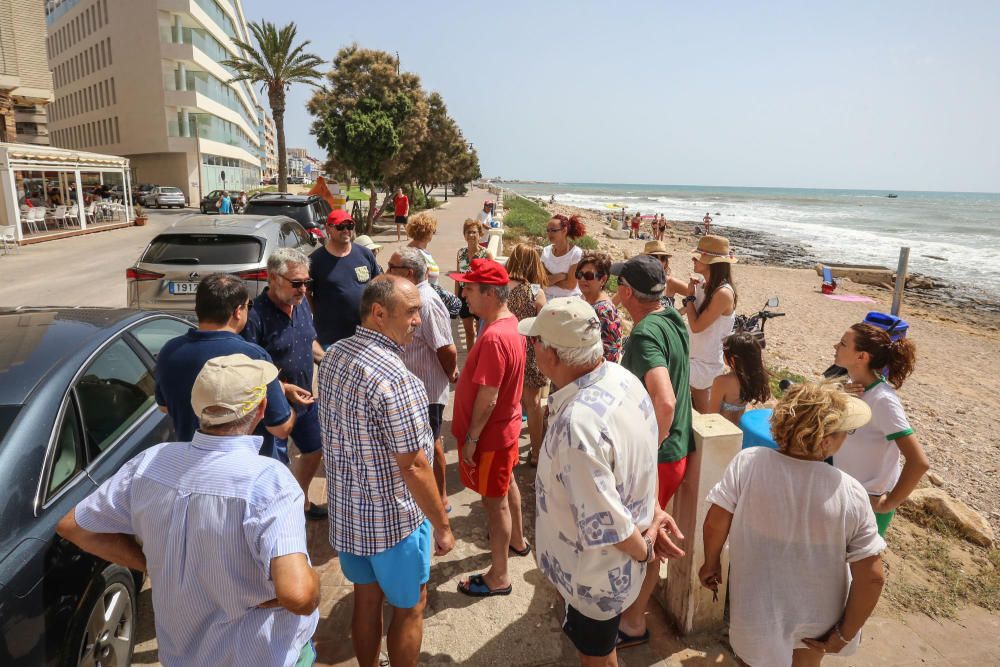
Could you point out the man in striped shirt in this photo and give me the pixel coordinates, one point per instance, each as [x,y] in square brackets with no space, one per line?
[431,355]
[378,451]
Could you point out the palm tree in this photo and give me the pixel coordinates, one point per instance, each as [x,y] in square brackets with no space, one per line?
[276,64]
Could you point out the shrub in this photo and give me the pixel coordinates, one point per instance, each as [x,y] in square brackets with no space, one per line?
[586,242]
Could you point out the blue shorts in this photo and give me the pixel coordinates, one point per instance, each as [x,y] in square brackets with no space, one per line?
[305,433]
[400,571]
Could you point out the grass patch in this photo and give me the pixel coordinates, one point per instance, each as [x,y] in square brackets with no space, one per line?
[525,216]
[266,188]
[587,243]
[779,374]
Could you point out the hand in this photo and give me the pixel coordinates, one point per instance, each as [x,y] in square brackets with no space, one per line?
[854,388]
[454,377]
[297,395]
[468,451]
[663,545]
[270,604]
[828,643]
[444,541]
[880,504]
[710,575]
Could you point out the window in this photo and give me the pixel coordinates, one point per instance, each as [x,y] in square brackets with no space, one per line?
[210,249]
[154,335]
[114,392]
[68,459]
[117,136]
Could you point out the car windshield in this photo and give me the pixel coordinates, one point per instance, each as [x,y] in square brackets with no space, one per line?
[204,249]
[299,212]
[170,191]
[7,415]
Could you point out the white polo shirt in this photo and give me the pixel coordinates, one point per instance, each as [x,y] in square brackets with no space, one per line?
[870,455]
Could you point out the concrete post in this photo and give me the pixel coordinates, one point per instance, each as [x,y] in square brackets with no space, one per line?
[689,606]
[79,199]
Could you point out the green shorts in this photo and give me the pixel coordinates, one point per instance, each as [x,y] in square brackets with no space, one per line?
[883,520]
[307,657]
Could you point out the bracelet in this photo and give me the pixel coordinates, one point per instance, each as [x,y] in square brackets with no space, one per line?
[649,549]
[836,629]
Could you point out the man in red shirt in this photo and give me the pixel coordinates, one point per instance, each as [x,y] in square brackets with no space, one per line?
[402,205]
[487,420]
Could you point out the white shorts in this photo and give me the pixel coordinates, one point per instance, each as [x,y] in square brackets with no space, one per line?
[703,373]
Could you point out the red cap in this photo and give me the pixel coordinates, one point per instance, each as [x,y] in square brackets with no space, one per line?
[488,201]
[338,216]
[484,272]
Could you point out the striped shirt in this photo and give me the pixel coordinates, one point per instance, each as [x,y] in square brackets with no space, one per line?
[371,408]
[211,515]
[434,332]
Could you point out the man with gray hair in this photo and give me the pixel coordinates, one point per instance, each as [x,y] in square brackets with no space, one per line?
[657,354]
[282,323]
[598,525]
[432,355]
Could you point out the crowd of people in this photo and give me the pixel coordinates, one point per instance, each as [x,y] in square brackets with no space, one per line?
[217,518]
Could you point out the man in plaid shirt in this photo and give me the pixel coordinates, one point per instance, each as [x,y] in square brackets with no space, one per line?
[379,450]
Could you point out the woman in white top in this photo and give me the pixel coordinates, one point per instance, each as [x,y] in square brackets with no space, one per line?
[805,554]
[871,455]
[561,257]
[711,310]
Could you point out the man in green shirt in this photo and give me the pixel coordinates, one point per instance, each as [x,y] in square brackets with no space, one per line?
[657,353]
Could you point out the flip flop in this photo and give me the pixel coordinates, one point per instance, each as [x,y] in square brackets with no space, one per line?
[627,641]
[523,552]
[477,588]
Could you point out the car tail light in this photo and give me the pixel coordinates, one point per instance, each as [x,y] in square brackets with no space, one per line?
[255,274]
[133,273]
[317,232]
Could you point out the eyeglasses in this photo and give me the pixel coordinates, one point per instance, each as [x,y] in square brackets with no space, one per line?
[532,339]
[852,431]
[588,275]
[344,226]
[248,305]
[553,230]
[398,267]
[298,284]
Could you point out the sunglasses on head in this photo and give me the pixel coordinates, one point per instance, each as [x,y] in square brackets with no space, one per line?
[588,275]
[343,226]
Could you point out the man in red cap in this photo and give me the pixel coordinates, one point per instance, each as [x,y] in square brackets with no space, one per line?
[487,420]
[340,271]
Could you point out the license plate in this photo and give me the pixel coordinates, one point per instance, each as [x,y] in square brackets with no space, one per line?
[182,288]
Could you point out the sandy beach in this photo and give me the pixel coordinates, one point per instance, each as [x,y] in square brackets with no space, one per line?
[952,397]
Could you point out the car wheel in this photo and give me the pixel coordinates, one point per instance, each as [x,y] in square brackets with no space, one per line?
[105,631]
[203,210]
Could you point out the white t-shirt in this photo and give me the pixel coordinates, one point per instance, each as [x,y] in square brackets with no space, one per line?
[484,218]
[420,354]
[596,483]
[870,455]
[562,264]
[796,527]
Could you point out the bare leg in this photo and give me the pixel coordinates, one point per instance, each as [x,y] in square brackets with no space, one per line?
[699,399]
[469,323]
[366,623]
[406,632]
[516,524]
[440,469]
[633,621]
[531,402]
[609,660]
[498,519]
[304,469]
[806,657]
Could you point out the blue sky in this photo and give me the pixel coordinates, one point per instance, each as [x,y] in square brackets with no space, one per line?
[895,95]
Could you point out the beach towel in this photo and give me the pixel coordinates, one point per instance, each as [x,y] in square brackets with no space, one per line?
[853,298]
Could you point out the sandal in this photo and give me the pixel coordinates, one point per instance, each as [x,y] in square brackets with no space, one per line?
[627,641]
[476,587]
[523,552]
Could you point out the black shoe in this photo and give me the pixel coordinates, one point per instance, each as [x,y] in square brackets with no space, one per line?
[316,512]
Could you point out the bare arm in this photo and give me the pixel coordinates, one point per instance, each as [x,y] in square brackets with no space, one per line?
[565,280]
[867,580]
[296,584]
[419,479]
[448,358]
[115,548]
[914,468]
[661,392]
[715,531]
[283,430]
[718,392]
[722,302]
[482,408]
[318,352]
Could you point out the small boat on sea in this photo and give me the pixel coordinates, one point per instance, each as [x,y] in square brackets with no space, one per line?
[892,196]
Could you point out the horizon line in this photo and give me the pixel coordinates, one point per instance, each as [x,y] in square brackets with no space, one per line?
[758,187]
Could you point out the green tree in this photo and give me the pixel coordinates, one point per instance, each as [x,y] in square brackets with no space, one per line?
[432,164]
[463,168]
[276,64]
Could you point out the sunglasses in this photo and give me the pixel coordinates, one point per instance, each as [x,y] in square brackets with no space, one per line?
[344,226]
[588,275]
[297,284]
[553,230]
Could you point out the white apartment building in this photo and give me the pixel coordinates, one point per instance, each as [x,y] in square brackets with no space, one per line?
[143,79]
[25,79]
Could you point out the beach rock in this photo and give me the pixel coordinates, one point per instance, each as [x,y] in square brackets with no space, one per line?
[972,525]
[935,479]
[615,233]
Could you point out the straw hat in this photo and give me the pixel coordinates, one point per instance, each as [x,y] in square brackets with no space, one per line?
[656,248]
[366,241]
[712,250]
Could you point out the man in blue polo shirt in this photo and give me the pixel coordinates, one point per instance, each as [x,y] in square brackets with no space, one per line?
[340,271]
[281,322]
[221,304]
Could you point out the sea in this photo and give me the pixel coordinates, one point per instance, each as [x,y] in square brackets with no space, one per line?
[953,236]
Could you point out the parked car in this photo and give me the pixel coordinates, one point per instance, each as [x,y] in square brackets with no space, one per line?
[310,211]
[140,191]
[210,202]
[76,403]
[167,273]
[164,195]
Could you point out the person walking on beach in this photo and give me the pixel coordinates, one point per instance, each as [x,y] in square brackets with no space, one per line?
[472,230]
[386,514]
[871,455]
[593,273]
[636,222]
[805,591]
[656,353]
[401,207]
[598,523]
[561,257]
[218,528]
[487,421]
[431,355]
[707,221]
[710,308]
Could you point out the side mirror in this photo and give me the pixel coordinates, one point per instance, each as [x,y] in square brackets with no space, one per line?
[772,302]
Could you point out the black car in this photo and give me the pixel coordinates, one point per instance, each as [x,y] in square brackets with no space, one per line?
[76,403]
[210,202]
[310,211]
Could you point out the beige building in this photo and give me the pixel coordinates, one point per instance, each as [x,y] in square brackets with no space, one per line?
[25,79]
[268,148]
[142,79]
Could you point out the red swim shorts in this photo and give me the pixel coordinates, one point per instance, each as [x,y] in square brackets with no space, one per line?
[490,476]
[670,475]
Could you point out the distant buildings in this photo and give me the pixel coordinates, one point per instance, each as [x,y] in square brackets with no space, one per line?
[143,80]
[25,79]
[302,165]
[268,150]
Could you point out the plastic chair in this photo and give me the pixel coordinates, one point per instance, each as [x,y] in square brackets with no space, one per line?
[38,215]
[91,213]
[28,219]
[59,216]
[73,215]
[8,237]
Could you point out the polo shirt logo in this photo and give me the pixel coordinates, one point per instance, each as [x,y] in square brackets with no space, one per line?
[362,273]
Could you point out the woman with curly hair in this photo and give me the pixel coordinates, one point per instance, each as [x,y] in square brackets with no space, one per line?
[805,569]
[527,280]
[872,454]
[560,257]
[592,276]
[420,229]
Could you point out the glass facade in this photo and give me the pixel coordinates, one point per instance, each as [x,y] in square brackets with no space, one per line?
[212,88]
[239,175]
[207,126]
[219,17]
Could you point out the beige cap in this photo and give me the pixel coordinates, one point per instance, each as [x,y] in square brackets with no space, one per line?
[856,414]
[235,383]
[566,322]
[366,241]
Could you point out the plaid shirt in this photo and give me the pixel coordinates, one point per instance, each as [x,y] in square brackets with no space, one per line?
[371,408]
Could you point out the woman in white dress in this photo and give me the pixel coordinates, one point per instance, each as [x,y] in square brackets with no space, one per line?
[560,257]
[805,554]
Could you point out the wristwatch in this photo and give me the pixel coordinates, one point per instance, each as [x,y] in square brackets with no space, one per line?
[688,299]
[469,438]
